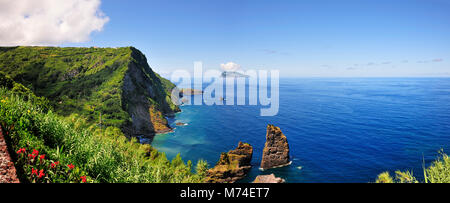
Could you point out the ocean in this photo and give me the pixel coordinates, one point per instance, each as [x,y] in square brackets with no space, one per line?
[339,129]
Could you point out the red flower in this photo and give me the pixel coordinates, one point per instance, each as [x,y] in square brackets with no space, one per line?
[34,171]
[20,151]
[71,166]
[42,157]
[83,179]
[54,164]
[34,154]
[41,173]
[31,156]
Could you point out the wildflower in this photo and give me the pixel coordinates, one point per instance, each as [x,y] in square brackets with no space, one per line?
[34,154]
[31,156]
[34,171]
[83,179]
[71,166]
[41,173]
[54,164]
[42,157]
[21,150]
[29,111]
[3,101]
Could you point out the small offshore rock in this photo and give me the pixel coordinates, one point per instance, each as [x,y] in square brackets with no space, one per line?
[232,166]
[268,179]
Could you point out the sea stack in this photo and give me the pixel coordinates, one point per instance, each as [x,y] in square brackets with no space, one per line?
[231,166]
[268,179]
[276,149]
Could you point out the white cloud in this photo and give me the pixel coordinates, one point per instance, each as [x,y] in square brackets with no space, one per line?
[230,66]
[49,22]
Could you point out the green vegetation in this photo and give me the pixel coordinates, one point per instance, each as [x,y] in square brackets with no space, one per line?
[19,89]
[438,172]
[50,102]
[97,155]
[57,135]
[87,81]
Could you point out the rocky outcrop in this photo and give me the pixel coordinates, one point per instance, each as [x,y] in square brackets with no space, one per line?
[268,179]
[231,166]
[276,149]
[189,92]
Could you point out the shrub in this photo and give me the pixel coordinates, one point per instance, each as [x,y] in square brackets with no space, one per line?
[38,169]
[105,155]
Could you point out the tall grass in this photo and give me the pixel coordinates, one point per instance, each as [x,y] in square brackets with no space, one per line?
[437,172]
[105,154]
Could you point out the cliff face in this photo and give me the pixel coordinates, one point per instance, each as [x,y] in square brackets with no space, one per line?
[276,149]
[114,82]
[146,98]
[231,166]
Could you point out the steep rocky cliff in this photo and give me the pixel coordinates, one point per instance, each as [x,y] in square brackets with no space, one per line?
[276,149]
[146,97]
[116,83]
[231,166]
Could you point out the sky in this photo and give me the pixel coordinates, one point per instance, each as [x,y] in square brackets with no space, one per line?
[300,38]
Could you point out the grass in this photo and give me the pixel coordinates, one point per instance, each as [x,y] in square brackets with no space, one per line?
[86,81]
[438,172]
[105,155]
[74,87]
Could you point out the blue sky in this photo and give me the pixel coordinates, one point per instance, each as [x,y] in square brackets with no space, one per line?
[300,38]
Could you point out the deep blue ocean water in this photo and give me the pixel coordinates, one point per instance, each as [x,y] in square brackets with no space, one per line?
[339,130]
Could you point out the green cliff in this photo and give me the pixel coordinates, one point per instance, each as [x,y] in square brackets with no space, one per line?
[58,130]
[116,83]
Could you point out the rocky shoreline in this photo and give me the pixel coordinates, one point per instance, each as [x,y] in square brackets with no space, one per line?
[189,92]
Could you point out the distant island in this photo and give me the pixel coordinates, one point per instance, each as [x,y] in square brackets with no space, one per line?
[233,74]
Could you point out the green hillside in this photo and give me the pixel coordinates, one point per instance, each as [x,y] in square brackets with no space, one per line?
[116,83]
[50,104]
[47,148]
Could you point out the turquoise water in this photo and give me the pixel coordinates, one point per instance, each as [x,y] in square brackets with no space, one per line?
[339,130]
